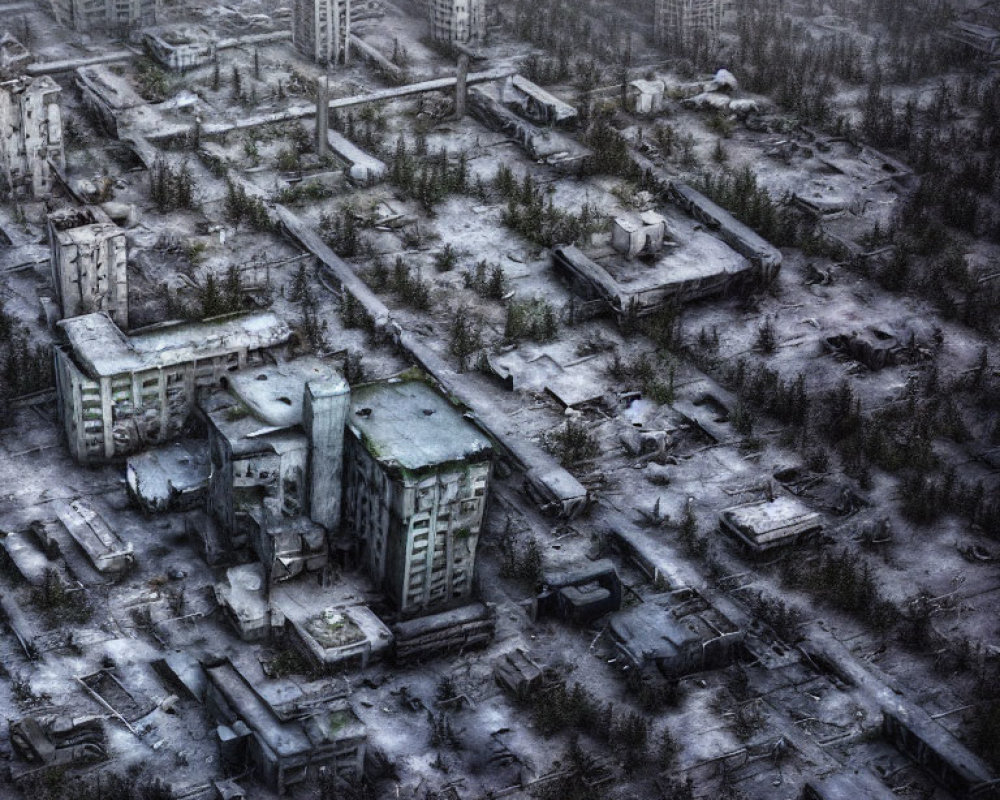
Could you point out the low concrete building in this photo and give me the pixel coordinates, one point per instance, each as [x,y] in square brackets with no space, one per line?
[535,103]
[283,752]
[89,263]
[119,394]
[181,47]
[677,636]
[583,594]
[436,635]
[981,38]
[104,548]
[417,475]
[640,235]
[767,524]
[31,136]
[335,639]
[169,478]
[646,97]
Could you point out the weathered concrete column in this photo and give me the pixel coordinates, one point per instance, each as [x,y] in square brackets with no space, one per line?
[322,115]
[461,86]
[324,415]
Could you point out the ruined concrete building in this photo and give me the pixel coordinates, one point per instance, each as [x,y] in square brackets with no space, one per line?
[181,47]
[687,20]
[31,138]
[116,16]
[14,56]
[119,394]
[89,264]
[415,492]
[457,21]
[281,746]
[276,448]
[321,30]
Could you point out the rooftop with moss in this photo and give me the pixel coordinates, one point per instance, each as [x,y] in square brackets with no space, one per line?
[410,425]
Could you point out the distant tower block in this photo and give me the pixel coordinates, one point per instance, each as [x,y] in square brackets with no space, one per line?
[324,414]
[321,30]
[682,21]
[89,264]
[31,140]
[115,16]
[458,21]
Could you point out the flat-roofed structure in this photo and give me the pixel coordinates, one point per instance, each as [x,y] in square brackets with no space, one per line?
[89,263]
[535,103]
[417,474]
[284,751]
[181,47]
[767,524]
[121,393]
[677,635]
[106,550]
[680,263]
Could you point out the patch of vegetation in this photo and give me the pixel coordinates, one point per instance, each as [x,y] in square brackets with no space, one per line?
[531,318]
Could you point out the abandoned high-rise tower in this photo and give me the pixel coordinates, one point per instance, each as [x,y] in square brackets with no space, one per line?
[458,21]
[682,21]
[321,30]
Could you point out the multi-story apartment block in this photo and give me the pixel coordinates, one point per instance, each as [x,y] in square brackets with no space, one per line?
[107,16]
[321,30]
[416,477]
[89,264]
[457,21]
[121,393]
[31,139]
[685,20]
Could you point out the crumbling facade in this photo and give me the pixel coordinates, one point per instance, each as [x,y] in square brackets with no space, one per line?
[415,492]
[457,21]
[89,264]
[105,15]
[276,449]
[119,394]
[321,30]
[31,138]
[282,749]
[687,20]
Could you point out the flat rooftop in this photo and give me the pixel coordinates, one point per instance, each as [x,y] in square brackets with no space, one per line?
[690,254]
[101,349]
[275,394]
[409,424]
